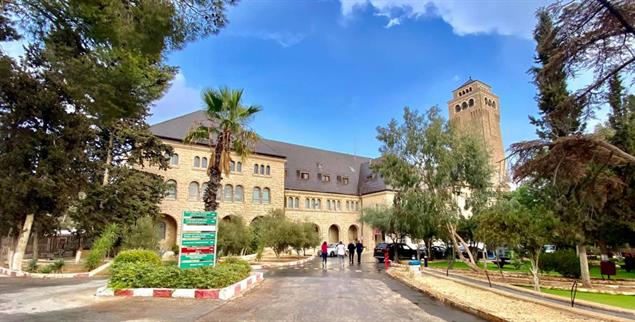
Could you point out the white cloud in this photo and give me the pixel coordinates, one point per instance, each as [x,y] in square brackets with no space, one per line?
[178,100]
[466,17]
[284,39]
[393,22]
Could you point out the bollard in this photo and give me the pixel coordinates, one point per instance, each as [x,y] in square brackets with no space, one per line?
[425,261]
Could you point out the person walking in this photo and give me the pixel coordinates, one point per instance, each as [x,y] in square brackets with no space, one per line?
[341,252]
[360,249]
[351,252]
[324,253]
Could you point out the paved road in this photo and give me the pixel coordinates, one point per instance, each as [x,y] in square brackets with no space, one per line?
[306,293]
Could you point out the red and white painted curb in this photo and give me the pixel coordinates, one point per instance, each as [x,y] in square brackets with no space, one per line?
[14,273]
[225,293]
[294,263]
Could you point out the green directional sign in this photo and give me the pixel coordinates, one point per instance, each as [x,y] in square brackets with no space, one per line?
[199,235]
[199,221]
[198,242]
[202,214]
[196,264]
[197,257]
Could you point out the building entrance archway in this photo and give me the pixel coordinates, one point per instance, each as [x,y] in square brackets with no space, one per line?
[334,234]
[353,233]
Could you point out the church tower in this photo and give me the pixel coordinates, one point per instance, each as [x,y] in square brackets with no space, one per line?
[475,109]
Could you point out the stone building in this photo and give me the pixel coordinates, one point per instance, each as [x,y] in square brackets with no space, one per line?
[325,188]
[476,110]
[328,189]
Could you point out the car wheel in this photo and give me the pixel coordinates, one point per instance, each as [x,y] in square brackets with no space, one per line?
[332,254]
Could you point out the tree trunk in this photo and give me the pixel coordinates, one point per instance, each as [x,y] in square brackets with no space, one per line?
[23,240]
[214,172]
[533,260]
[471,263]
[429,248]
[584,266]
[36,249]
[108,161]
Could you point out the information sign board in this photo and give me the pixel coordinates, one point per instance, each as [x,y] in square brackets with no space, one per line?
[198,239]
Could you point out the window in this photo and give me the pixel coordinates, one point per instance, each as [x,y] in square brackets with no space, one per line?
[289,202]
[197,162]
[304,175]
[296,203]
[239,194]
[255,169]
[326,178]
[232,166]
[307,203]
[328,204]
[266,197]
[170,193]
[345,180]
[174,160]
[464,105]
[457,108]
[262,169]
[228,193]
[471,102]
[268,171]
[348,205]
[319,204]
[255,196]
[339,205]
[161,230]
[493,104]
[204,162]
[239,166]
[192,191]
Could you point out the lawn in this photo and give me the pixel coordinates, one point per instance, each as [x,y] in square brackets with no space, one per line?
[623,301]
[594,270]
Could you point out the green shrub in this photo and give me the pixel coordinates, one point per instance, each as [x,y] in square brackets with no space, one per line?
[176,249]
[143,234]
[145,274]
[32,266]
[101,247]
[565,262]
[138,256]
[46,269]
[234,238]
[57,265]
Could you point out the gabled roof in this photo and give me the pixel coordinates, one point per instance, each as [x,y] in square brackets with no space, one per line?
[470,81]
[299,158]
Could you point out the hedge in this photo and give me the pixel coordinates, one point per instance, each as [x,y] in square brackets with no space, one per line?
[565,262]
[101,247]
[138,256]
[149,275]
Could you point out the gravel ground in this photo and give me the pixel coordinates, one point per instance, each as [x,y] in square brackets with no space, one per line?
[501,306]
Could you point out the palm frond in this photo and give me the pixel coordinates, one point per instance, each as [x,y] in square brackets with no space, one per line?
[197,134]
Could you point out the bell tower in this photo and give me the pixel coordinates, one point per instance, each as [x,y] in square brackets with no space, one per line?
[475,109]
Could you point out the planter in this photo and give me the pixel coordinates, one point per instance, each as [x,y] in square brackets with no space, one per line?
[225,293]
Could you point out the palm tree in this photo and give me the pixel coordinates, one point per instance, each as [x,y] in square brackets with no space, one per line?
[225,131]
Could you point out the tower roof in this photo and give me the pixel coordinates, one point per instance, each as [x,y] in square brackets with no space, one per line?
[470,81]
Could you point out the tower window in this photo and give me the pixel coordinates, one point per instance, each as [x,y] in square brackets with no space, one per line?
[471,102]
[464,105]
[493,104]
[457,108]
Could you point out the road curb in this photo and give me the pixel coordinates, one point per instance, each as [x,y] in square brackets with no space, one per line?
[225,293]
[22,274]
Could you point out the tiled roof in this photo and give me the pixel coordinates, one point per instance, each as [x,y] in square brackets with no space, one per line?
[299,158]
[470,81]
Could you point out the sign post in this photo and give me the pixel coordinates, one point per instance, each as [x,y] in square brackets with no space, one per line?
[198,239]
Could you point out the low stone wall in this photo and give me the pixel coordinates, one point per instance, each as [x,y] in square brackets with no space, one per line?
[13,273]
[225,293]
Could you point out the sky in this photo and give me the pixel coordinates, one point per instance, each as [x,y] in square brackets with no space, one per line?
[328,72]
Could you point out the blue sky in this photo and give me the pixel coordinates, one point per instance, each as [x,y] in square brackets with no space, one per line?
[327,73]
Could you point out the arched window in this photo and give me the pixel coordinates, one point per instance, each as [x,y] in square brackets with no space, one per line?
[174,160]
[219,192]
[255,169]
[328,204]
[339,205]
[296,203]
[192,191]
[268,171]
[255,197]
[232,166]
[348,205]
[197,162]
[307,203]
[266,195]
[262,169]
[471,102]
[228,193]
[161,228]
[457,108]
[239,194]
[239,166]
[289,202]
[204,162]
[170,193]
[464,105]
[493,104]
[319,204]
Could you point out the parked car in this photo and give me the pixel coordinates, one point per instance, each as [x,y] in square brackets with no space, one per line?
[331,250]
[550,248]
[402,251]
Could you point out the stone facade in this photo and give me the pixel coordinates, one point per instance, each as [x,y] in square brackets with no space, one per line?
[476,110]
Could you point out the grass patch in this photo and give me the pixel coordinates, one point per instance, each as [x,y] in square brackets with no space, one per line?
[623,301]
[594,271]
